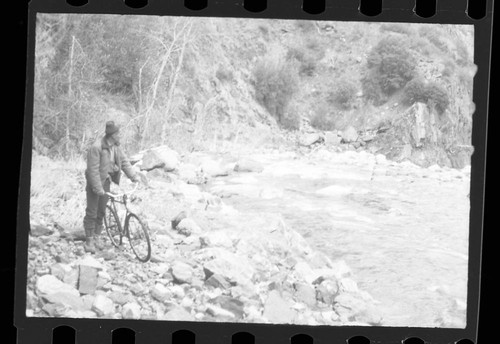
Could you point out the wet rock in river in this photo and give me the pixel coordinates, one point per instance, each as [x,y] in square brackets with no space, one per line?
[248,166]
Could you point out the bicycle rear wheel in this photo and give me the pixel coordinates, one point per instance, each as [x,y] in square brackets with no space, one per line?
[113,226]
[138,237]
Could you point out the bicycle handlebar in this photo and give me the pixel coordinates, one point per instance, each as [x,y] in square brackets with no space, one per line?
[124,193]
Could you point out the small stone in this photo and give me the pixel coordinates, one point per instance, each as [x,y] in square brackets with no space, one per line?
[103,306]
[42,271]
[178,314]
[219,312]
[305,293]
[120,298]
[60,270]
[218,281]
[138,289]
[131,311]
[38,230]
[277,309]
[178,218]
[182,272]
[160,292]
[187,227]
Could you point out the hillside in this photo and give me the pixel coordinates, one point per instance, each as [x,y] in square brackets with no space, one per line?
[220,87]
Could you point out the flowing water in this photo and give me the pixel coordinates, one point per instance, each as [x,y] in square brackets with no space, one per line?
[402,229]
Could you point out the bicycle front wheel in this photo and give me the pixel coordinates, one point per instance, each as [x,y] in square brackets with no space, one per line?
[138,237]
[113,226]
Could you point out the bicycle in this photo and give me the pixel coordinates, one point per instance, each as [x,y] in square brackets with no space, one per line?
[134,229]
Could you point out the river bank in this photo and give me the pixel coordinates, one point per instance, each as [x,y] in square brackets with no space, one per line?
[274,237]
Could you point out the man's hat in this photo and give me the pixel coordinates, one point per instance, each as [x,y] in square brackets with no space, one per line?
[111,128]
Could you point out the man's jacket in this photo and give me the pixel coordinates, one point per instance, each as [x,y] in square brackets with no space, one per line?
[100,167]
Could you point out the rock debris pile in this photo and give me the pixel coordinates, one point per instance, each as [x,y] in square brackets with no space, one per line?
[210,262]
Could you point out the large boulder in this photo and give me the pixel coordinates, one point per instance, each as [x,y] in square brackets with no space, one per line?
[48,284]
[160,157]
[349,135]
[66,300]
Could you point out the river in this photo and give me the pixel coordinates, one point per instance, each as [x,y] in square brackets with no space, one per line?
[402,229]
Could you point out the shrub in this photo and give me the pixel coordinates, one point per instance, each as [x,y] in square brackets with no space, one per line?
[224,74]
[396,27]
[372,91]
[305,58]
[323,121]
[276,82]
[305,25]
[463,57]
[391,66]
[291,121]
[433,94]
[449,69]
[437,97]
[433,36]
[345,93]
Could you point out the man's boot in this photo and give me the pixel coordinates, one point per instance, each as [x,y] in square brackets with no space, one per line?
[98,242]
[89,246]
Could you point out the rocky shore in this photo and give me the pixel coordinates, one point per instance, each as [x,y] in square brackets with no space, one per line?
[213,263]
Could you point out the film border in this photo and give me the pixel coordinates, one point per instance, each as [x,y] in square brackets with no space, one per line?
[31,330]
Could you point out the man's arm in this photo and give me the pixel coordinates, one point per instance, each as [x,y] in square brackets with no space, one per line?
[93,161]
[126,166]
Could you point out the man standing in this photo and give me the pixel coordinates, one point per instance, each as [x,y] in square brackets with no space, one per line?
[105,160]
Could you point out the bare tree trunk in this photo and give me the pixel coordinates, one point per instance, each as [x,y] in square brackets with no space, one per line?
[70,95]
[164,61]
[172,85]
